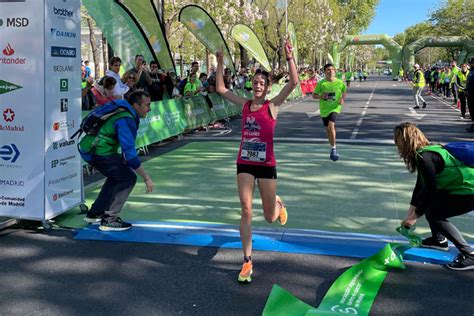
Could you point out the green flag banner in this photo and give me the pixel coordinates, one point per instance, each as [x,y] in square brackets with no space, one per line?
[200,23]
[249,40]
[147,17]
[119,29]
[294,42]
[352,293]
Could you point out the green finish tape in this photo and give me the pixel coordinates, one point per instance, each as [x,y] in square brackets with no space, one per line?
[353,293]
[414,239]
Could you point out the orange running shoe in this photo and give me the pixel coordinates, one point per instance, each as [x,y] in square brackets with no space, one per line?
[283,217]
[245,275]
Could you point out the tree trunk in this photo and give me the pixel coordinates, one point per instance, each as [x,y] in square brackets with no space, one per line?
[244,59]
[105,53]
[95,49]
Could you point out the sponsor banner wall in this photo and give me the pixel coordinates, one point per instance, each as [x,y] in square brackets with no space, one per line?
[165,119]
[62,105]
[197,111]
[21,109]
[40,172]
[220,109]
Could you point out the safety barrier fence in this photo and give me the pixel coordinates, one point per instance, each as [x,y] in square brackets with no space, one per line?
[173,117]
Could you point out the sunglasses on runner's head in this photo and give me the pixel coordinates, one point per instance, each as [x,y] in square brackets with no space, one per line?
[263,72]
[131,77]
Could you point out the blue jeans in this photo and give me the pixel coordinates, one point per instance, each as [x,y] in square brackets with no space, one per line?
[117,187]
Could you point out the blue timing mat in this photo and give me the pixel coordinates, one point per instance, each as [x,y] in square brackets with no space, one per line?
[281,240]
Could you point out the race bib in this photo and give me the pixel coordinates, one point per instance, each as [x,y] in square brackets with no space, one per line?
[254,151]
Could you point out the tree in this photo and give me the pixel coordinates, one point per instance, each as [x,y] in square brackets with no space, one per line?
[455,18]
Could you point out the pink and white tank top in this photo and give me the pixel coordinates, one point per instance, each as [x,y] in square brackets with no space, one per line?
[258,128]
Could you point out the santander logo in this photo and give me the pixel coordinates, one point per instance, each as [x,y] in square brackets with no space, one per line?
[8,51]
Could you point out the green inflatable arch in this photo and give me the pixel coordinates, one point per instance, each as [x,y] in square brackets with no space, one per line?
[440,41]
[395,50]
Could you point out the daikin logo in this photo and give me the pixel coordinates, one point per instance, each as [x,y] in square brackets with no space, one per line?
[6,87]
[8,51]
[60,33]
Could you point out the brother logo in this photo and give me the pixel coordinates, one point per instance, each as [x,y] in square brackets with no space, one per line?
[63,12]
[58,51]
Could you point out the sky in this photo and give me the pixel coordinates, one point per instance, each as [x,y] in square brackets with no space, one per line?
[394,16]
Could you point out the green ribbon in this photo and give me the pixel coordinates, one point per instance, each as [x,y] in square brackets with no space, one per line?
[353,293]
[413,239]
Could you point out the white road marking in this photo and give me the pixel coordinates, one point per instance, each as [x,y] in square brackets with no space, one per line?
[414,114]
[364,112]
[290,105]
[312,114]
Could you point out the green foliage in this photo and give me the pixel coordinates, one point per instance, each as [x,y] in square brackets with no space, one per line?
[454,17]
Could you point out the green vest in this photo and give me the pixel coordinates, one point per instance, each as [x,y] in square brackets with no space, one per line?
[456,177]
[421,79]
[463,79]
[106,142]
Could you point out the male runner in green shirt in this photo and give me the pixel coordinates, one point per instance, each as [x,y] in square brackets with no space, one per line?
[331,93]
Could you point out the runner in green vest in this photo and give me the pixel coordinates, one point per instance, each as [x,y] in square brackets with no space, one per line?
[331,93]
[418,86]
[460,82]
[339,74]
[444,189]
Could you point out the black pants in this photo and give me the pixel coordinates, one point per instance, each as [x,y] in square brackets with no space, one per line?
[470,104]
[462,100]
[117,187]
[446,206]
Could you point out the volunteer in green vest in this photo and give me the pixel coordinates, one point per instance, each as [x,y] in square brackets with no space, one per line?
[331,92]
[444,189]
[101,151]
[400,74]
[348,77]
[365,74]
[454,73]
[460,82]
[418,86]
[192,87]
